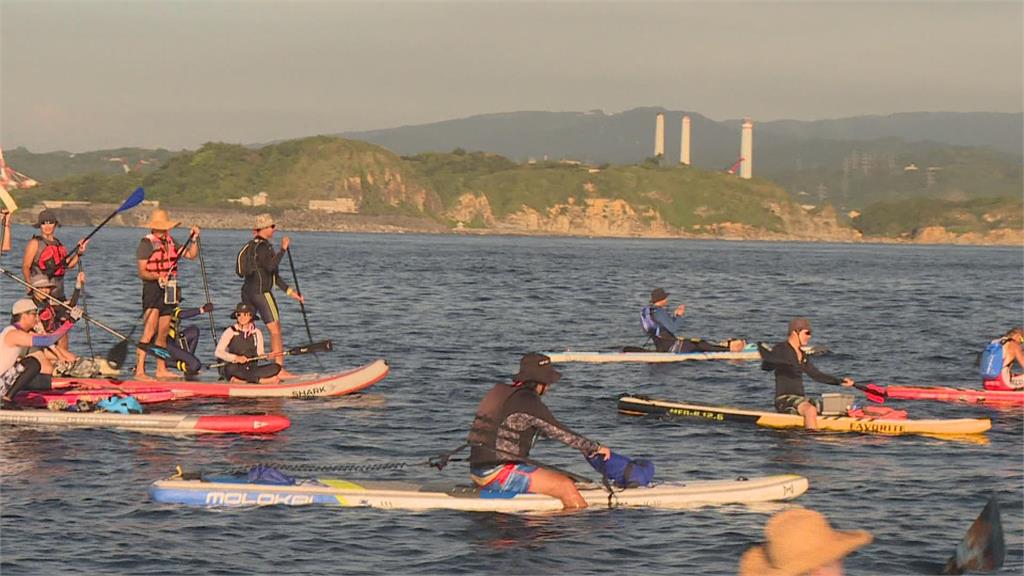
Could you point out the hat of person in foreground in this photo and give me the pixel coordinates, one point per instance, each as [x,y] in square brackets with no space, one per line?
[535,367]
[46,215]
[263,221]
[657,295]
[159,220]
[22,306]
[797,542]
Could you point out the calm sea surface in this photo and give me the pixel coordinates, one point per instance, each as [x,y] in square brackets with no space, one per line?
[452,315]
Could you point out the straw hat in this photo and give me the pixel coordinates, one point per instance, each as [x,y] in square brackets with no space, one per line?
[799,541]
[159,220]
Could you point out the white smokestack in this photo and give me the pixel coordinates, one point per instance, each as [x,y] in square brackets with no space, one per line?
[747,149]
[684,142]
[659,136]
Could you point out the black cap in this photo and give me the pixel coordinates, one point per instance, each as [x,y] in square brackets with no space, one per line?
[535,367]
[45,215]
[658,294]
[243,307]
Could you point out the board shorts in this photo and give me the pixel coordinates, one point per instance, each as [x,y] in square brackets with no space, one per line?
[264,304]
[153,297]
[787,403]
[508,477]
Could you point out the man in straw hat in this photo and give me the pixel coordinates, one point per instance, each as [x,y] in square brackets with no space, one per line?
[44,253]
[20,371]
[257,263]
[789,362]
[157,262]
[665,328]
[801,542]
[506,424]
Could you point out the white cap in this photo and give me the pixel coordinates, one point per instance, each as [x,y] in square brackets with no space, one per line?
[22,306]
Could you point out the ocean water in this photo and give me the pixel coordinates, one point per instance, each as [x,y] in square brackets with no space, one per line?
[452,315]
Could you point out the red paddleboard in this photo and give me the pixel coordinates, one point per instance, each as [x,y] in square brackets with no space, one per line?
[963,395]
[70,396]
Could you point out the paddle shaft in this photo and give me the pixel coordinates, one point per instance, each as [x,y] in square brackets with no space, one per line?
[314,347]
[63,304]
[206,288]
[302,305]
[137,196]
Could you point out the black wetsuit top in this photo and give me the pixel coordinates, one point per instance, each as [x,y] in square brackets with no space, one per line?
[508,420]
[264,274]
[789,370]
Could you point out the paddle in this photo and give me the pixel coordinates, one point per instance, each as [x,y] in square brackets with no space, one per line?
[132,201]
[873,392]
[206,288]
[302,306]
[983,547]
[312,347]
[156,350]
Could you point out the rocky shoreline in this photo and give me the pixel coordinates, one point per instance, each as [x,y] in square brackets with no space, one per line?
[316,221]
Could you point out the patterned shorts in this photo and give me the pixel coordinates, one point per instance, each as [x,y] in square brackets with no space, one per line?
[787,403]
[510,477]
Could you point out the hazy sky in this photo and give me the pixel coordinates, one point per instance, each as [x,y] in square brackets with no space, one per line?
[84,75]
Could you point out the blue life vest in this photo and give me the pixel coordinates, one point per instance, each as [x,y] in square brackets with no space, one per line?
[622,471]
[263,474]
[991,365]
[120,404]
[651,328]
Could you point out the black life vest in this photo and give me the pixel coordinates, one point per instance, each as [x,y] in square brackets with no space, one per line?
[50,258]
[483,434]
[243,345]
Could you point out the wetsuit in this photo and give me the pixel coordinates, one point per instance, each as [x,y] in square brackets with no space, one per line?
[249,343]
[181,342]
[261,277]
[789,381]
[507,423]
[161,255]
[49,260]
[665,339]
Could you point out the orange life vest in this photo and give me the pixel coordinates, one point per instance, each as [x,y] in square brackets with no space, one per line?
[164,256]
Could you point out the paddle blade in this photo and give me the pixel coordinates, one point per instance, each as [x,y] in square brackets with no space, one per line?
[312,347]
[983,547]
[873,392]
[117,354]
[132,201]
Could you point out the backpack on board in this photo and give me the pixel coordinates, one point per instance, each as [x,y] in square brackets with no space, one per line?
[991,365]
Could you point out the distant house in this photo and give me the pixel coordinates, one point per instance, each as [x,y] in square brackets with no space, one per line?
[910,168]
[261,199]
[65,203]
[338,205]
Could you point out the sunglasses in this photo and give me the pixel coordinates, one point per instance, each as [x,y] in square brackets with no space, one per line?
[808,332]
[48,222]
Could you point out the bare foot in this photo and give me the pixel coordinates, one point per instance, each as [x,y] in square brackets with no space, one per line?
[142,376]
[737,345]
[284,374]
[166,375]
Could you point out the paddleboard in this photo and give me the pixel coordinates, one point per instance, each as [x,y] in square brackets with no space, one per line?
[639,406]
[151,423]
[235,492]
[964,395]
[60,399]
[749,352]
[307,386]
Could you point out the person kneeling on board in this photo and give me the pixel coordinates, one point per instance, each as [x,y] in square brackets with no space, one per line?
[507,423]
[998,358]
[789,362]
[18,370]
[663,328]
[240,346]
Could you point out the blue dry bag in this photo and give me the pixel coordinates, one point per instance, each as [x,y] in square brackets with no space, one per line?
[263,474]
[992,360]
[647,322]
[120,404]
[622,471]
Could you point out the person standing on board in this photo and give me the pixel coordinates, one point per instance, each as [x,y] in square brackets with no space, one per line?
[663,326]
[789,362]
[800,542]
[18,369]
[44,254]
[5,223]
[257,263]
[507,423]
[1011,352]
[157,263]
[240,345]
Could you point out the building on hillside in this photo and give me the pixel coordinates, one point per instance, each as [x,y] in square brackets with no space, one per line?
[338,205]
[54,204]
[261,199]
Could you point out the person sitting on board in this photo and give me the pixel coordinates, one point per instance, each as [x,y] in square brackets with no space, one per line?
[257,263]
[663,326]
[157,264]
[240,346]
[801,542]
[789,362]
[181,342]
[1007,351]
[51,316]
[20,370]
[507,421]
[45,255]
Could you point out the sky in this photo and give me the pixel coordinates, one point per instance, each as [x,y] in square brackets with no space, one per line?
[83,75]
